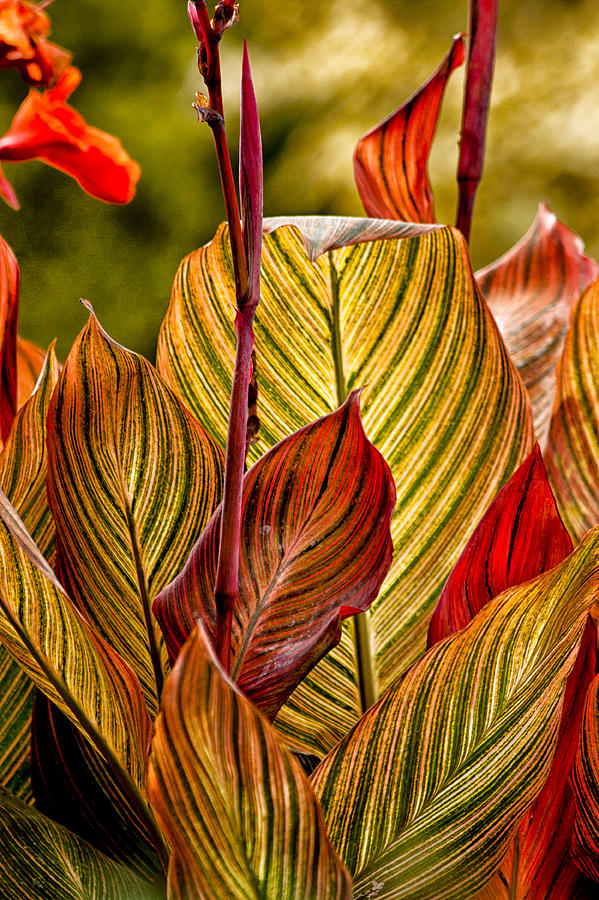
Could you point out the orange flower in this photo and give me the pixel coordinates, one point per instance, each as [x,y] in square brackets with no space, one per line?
[47,128]
[23,44]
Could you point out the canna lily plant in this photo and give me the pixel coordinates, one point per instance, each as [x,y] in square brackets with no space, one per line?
[308,609]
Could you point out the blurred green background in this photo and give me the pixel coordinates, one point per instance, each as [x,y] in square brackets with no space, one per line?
[324,74]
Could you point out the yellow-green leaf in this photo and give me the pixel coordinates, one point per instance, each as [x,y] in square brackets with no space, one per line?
[40,860]
[237,807]
[132,480]
[424,797]
[61,654]
[23,479]
[442,402]
[572,455]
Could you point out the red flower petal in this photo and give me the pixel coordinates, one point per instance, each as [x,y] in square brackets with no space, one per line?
[46,128]
[23,44]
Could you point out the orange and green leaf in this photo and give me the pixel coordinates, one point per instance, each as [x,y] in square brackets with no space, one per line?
[390,162]
[30,360]
[531,290]
[585,788]
[236,806]
[572,455]
[23,479]
[442,403]
[315,548]
[132,478]
[424,797]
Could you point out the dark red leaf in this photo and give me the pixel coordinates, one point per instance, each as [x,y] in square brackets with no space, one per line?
[315,548]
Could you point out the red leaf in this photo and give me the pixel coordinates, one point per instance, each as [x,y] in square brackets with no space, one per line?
[531,290]
[9,310]
[520,536]
[315,548]
[47,128]
[390,161]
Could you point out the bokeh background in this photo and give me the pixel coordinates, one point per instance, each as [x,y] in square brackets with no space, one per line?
[324,74]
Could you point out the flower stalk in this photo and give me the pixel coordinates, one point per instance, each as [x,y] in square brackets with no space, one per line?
[482,30]
[246,247]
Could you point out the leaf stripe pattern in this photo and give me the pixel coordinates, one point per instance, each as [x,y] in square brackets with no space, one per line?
[23,479]
[46,860]
[30,361]
[531,290]
[74,786]
[443,404]
[236,806]
[133,478]
[57,649]
[315,548]
[425,795]
[585,788]
[390,161]
[572,456]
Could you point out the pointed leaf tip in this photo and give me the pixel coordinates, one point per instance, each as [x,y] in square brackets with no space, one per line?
[520,536]
[315,548]
[390,160]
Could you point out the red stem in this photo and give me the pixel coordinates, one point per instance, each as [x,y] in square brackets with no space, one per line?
[481,59]
[226,586]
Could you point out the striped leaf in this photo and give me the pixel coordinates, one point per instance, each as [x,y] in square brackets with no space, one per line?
[30,361]
[520,536]
[585,787]
[74,786]
[538,864]
[58,650]
[23,479]
[390,162]
[40,860]
[9,310]
[425,796]
[572,455]
[132,478]
[315,548]
[531,290]
[236,806]
[443,404]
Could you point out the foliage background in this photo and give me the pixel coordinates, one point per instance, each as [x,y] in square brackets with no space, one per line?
[324,73]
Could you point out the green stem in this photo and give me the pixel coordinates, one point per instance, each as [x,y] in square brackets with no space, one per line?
[360,623]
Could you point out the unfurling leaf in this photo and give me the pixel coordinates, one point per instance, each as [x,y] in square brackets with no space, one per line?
[390,161]
[443,404]
[133,478]
[315,548]
[572,455]
[531,290]
[426,794]
[236,806]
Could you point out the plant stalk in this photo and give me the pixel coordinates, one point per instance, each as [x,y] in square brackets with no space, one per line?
[482,29]
[245,249]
